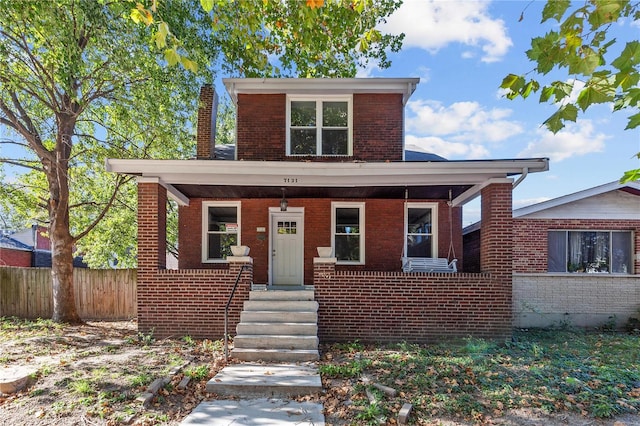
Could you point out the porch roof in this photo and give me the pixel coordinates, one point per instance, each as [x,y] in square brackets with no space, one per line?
[185,179]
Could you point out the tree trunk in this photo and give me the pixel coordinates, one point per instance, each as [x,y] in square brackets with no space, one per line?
[64,304]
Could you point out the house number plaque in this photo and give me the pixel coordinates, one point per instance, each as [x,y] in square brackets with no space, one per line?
[290,180]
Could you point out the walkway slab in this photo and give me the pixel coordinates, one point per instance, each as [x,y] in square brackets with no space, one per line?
[254,412]
[266,380]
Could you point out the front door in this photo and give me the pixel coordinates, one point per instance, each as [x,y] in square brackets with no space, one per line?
[287,248]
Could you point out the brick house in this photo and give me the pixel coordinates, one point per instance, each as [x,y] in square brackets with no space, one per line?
[322,163]
[29,247]
[576,258]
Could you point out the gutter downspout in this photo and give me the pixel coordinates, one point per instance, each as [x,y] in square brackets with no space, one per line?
[524,174]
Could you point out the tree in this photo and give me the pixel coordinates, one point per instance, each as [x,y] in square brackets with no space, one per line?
[580,46]
[81,81]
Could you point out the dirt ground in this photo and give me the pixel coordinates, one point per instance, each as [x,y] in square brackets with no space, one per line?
[94,374]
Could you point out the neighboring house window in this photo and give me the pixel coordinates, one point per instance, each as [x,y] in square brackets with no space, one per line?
[348,232]
[319,126]
[221,229]
[590,251]
[421,238]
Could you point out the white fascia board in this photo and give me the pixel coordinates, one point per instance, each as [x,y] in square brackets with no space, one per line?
[292,173]
[320,86]
[576,196]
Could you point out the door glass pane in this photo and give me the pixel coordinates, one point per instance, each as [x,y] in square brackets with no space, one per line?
[303,113]
[335,142]
[334,114]
[621,252]
[303,141]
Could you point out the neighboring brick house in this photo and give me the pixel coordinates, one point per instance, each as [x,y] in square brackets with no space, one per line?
[29,247]
[576,258]
[322,163]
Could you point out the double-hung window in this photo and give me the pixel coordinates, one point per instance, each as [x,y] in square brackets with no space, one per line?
[221,229]
[421,238]
[590,252]
[319,126]
[347,222]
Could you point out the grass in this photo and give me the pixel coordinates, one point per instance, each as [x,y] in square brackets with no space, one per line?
[591,374]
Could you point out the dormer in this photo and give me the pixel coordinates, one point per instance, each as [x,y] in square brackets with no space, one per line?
[335,120]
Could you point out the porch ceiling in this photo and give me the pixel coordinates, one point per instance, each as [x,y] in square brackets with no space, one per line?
[220,191]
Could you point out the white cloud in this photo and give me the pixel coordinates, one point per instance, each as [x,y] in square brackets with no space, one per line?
[432,25]
[461,121]
[576,139]
[447,149]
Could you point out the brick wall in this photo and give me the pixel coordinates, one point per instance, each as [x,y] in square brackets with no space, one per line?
[175,303]
[384,233]
[418,307]
[10,257]
[530,239]
[205,130]
[581,300]
[377,134]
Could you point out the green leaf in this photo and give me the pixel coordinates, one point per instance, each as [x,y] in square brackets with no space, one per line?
[188,64]
[634,121]
[584,64]
[630,175]
[531,86]
[555,123]
[605,13]
[629,57]
[207,5]
[171,56]
[555,9]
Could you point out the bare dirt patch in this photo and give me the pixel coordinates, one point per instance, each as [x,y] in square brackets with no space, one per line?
[94,374]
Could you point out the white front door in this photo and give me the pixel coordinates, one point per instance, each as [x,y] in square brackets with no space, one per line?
[287,248]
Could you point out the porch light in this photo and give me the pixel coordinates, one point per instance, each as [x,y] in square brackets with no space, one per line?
[283,203]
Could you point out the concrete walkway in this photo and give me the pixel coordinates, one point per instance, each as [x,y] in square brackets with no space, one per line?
[266,389]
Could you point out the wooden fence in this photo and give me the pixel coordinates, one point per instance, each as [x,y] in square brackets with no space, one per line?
[105,294]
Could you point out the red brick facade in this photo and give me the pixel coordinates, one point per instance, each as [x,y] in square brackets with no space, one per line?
[530,239]
[377,128]
[384,233]
[11,257]
[205,137]
[373,303]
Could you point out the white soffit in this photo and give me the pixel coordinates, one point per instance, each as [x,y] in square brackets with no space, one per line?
[320,86]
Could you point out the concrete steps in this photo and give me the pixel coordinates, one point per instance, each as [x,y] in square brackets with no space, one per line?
[278,326]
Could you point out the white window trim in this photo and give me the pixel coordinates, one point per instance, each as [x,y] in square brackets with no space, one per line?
[318,100]
[205,226]
[434,224]
[361,207]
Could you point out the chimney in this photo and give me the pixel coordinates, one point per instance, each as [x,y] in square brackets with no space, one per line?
[206,131]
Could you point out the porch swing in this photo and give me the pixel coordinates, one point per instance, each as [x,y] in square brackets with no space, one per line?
[432,264]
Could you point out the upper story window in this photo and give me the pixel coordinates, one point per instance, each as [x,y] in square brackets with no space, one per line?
[421,239]
[221,230]
[348,232]
[319,126]
[590,251]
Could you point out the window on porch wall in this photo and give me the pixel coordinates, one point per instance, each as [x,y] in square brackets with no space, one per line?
[348,232]
[590,252]
[421,239]
[221,225]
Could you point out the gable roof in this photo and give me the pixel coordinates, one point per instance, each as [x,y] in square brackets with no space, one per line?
[7,242]
[630,187]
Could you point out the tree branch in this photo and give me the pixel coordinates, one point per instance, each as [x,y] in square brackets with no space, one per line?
[120,180]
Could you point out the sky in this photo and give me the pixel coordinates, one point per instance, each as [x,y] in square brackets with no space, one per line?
[461,51]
